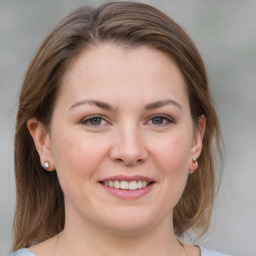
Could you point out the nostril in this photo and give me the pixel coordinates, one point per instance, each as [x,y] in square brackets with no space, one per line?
[129,162]
[128,153]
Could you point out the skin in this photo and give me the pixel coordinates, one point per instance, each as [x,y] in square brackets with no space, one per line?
[131,138]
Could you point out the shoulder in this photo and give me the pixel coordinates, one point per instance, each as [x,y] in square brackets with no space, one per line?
[22,252]
[206,252]
[42,248]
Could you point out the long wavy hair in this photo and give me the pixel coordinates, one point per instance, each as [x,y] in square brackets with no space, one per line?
[40,201]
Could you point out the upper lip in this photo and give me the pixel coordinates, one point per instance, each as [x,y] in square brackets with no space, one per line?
[128,178]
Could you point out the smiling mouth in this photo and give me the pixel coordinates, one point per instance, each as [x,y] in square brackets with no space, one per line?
[126,185]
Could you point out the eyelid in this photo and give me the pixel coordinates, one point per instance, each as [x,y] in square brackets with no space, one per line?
[85,120]
[167,118]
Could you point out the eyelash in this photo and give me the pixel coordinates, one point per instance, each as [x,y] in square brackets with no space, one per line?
[87,120]
[166,119]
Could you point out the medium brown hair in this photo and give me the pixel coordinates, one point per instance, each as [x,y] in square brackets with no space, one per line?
[40,203]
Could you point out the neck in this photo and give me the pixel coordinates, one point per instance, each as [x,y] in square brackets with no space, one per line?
[86,239]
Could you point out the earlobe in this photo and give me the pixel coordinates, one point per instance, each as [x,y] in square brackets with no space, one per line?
[194,166]
[42,143]
[197,144]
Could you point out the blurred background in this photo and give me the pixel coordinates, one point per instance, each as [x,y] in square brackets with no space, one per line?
[225,33]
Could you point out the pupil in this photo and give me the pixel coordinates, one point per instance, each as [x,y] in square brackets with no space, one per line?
[157,120]
[95,121]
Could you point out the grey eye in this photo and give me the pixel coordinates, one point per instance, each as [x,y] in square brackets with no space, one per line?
[160,120]
[95,121]
[157,120]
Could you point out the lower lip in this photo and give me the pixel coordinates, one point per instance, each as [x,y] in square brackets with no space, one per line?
[128,194]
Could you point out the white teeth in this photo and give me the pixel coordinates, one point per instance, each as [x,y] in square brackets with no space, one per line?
[123,184]
[116,184]
[111,184]
[132,185]
[144,183]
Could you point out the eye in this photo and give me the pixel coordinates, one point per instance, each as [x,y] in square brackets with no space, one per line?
[157,120]
[94,121]
[160,120]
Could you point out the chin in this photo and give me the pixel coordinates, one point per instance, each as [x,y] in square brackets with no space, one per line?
[129,223]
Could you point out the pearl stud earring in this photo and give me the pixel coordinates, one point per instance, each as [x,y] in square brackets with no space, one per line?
[46,164]
[195,163]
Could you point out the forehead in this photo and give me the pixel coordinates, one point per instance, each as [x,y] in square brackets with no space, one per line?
[110,69]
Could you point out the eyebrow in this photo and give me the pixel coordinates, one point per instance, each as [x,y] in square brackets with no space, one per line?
[97,103]
[106,106]
[159,104]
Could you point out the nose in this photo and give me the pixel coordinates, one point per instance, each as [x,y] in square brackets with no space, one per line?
[128,147]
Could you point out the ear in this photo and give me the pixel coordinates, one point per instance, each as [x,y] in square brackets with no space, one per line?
[42,142]
[198,138]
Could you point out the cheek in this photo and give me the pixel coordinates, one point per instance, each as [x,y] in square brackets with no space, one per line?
[173,161]
[76,155]
[175,168]
[77,159]
[174,153]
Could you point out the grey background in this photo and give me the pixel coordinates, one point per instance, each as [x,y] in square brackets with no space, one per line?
[225,33]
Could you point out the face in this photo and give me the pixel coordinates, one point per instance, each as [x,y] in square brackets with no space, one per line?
[121,138]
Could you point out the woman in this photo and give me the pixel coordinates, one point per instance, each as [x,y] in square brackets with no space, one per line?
[114,138]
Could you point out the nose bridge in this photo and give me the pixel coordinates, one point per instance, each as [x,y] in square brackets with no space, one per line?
[128,146]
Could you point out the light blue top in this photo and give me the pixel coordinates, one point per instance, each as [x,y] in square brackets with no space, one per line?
[204,252]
